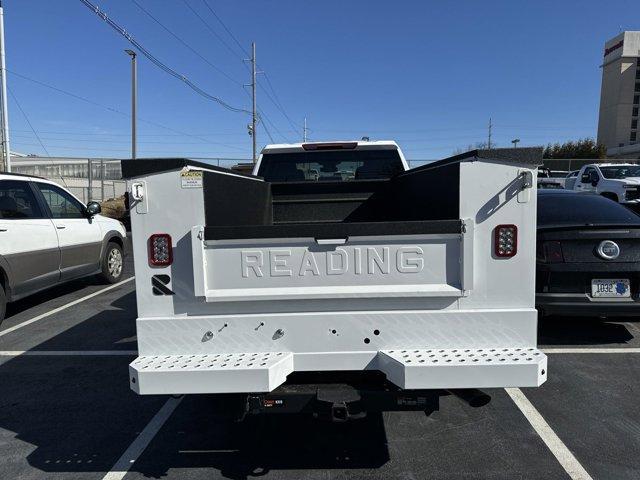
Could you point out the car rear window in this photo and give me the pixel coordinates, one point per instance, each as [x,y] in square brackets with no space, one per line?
[17,200]
[330,166]
[582,209]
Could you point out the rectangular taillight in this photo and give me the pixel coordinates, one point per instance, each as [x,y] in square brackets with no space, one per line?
[505,241]
[160,250]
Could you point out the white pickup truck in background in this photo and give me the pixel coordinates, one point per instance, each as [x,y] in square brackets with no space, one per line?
[335,280]
[618,181]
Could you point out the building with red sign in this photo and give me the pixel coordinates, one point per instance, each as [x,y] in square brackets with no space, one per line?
[620,96]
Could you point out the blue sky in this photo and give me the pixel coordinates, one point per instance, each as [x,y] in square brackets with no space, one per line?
[427,74]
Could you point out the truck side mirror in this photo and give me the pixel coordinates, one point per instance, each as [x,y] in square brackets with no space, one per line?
[594,179]
[93,209]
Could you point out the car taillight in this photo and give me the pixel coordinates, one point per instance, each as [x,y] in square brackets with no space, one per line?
[505,241]
[552,252]
[160,250]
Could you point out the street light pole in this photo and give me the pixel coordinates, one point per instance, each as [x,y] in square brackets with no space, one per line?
[134,100]
[253,95]
[4,111]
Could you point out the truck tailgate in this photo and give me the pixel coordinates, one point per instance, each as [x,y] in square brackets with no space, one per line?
[314,265]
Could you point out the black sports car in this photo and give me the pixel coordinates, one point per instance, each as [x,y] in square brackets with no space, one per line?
[588,256]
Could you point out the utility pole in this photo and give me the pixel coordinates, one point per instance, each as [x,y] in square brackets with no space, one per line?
[304,131]
[253,95]
[489,140]
[4,114]
[134,100]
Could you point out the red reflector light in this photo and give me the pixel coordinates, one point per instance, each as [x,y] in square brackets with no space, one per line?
[505,241]
[330,146]
[160,250]
[552,252]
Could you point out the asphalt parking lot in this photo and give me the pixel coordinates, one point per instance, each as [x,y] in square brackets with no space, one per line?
[66,411]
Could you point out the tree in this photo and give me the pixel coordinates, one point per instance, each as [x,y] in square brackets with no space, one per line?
[582,148]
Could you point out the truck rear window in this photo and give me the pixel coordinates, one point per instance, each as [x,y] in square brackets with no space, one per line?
[330,166]
[565,209]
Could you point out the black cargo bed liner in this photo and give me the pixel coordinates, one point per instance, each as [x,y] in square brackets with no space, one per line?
[333,230]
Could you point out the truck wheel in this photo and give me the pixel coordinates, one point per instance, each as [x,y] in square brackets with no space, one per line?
[112,263]
[3,303]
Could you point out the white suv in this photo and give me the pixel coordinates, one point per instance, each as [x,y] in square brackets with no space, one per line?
[47,236]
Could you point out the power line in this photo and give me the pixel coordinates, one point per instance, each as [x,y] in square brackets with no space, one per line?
[103,16]
[115,110]
[262,116]
[201,56]
[111,141]
[162,152]
[193,50]
[24,114]
[275,101]
[226,29]
[210,28]
[278,103]
[107,134]
[28,122]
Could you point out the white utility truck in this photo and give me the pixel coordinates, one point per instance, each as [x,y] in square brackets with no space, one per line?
[618,181]
[334,280]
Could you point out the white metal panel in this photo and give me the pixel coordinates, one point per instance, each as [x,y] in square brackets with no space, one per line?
[489,196]
[464,367]
[337,332]
[214,373]
[403,266]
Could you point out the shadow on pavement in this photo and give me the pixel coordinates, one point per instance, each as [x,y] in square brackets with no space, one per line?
[258,445]
[581,331]
[67,414]
[111,326]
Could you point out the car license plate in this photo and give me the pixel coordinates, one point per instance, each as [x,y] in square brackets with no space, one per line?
[610,288]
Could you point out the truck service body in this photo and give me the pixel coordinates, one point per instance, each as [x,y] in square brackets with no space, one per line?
[337,262]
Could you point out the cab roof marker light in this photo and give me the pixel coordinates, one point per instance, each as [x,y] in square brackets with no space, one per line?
[330,146]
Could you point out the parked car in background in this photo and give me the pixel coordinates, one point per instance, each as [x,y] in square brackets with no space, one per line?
[570,180]
[548,178]
[47,236]
[618,181]
[588,256]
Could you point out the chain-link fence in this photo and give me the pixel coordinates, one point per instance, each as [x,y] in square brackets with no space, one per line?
[88,179]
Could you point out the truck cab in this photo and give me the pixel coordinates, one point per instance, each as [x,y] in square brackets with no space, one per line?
[330,161]
[618,181]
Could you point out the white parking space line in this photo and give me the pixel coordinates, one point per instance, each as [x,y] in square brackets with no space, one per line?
[128,458]
[63,307]
[570,464]
[591,350]
[65,353]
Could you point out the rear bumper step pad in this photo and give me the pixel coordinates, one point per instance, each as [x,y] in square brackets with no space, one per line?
[212,373]
[464,367]
[409,369]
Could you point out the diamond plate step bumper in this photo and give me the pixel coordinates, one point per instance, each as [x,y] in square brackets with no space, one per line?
[464,367]
[212,373]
